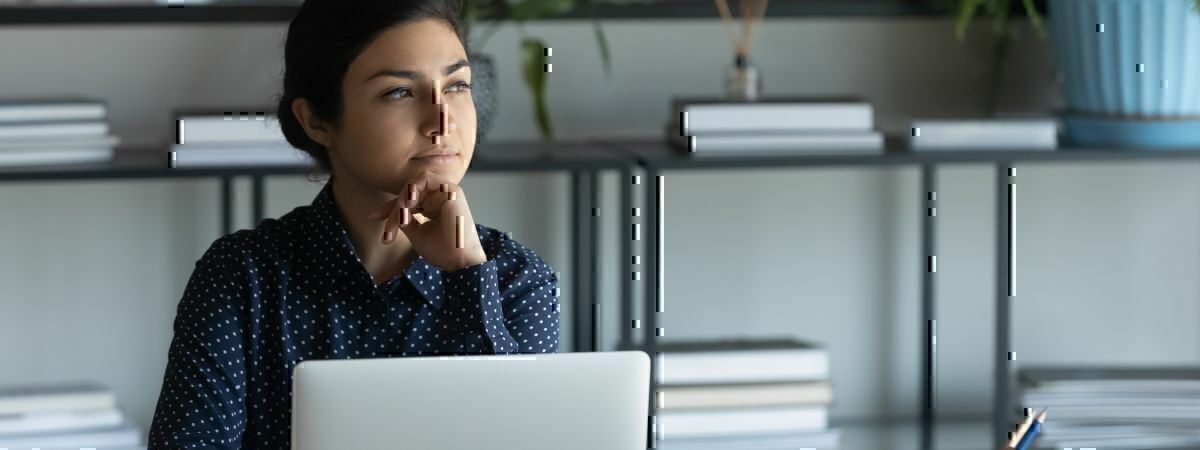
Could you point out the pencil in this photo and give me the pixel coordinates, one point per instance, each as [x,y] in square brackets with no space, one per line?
[1027,440]
[1016,437]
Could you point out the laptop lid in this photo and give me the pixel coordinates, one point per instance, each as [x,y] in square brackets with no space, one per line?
[553,401]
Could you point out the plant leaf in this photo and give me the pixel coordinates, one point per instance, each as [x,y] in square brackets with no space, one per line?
[538,9]
[601,41]
[533,60]
[966,13]
[1035,19]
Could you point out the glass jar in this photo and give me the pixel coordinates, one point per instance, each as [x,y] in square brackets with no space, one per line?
[742,80]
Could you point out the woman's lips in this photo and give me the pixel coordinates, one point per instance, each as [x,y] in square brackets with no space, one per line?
[437,159]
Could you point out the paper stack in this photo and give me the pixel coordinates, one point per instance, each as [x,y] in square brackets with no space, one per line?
[1115,407]
[66,415]
[54,130]
[232,139]
[990,134]
[773,126]
[744,394]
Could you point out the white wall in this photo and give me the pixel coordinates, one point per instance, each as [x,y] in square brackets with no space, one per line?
[91,271]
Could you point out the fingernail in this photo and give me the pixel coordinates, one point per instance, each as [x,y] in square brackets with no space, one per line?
[387,236]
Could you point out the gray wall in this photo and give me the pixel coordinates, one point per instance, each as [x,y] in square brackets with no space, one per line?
[91,271]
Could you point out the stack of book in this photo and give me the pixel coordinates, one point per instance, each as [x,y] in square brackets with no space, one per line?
[743,394]
[984,134]
[74,415]
[54,130]
[774,125]
[223,139]
[1115,407]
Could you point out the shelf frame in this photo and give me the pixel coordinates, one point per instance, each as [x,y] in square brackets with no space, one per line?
[656,157]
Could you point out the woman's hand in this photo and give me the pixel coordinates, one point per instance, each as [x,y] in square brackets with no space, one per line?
[447,237]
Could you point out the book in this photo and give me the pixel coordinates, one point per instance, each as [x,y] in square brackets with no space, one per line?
[192,155]
[742,361]
[52,109]
[52,130]
[776,143]
[1108,380]
[124,435]
[712,114]
[822,439]
[23,398]
[55,156]
[228,128]
[1115,407]
[59,420]
[68,142]
[994,134]
[676,424]
[745,394]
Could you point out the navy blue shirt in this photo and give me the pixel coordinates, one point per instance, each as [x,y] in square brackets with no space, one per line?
[260,301]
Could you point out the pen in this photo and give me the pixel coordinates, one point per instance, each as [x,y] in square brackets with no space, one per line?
[1027,440]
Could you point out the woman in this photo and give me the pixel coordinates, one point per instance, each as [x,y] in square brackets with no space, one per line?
[386,261]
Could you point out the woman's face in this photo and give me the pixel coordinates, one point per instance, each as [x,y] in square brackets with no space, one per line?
[392,111]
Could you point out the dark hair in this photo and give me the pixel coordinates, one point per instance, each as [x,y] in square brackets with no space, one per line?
[322,40]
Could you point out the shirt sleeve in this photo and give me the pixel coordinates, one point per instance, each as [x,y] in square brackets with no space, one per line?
[524,319]
[202,401]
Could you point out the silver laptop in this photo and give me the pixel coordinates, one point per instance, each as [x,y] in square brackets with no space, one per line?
[583,401]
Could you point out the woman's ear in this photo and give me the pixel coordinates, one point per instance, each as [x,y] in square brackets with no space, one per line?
[313,126]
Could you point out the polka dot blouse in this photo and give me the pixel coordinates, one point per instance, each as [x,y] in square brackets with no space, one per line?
[260,301]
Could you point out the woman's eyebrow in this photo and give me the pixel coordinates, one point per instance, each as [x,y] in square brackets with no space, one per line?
[418,76]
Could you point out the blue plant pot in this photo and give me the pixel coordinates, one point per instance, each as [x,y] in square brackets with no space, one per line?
[1126,65]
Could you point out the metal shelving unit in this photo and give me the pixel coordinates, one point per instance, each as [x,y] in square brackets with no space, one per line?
[583,162]
[656,157]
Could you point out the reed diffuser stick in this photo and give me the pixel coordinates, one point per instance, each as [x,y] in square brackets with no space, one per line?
[750,13]
[726,19]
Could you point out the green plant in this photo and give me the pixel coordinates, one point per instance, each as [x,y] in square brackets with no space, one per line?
[533,57]
[965,11]
[1002,35]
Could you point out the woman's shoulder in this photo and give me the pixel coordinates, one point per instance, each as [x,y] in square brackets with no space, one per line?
[512,257]
[272,240]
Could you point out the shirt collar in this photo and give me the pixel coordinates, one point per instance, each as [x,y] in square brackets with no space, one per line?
[331,243]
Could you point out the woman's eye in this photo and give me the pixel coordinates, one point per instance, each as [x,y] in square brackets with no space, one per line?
[461,85]
[389,94]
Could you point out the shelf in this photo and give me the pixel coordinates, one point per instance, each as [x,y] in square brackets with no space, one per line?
[283,13]
[959,434]
[151,162]
[57,15]
[657,154]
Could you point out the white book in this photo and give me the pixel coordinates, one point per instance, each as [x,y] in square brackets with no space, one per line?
[676,424]
[830,142]
[51,109]
[701,115]
[55,156]
[208,129]
[68,142]
[822,439]
[1161,441]
[995,134]
[741,361]
[123,436]
[58,421]
[239,155]
[55,396]
[752,394]
[52,130]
